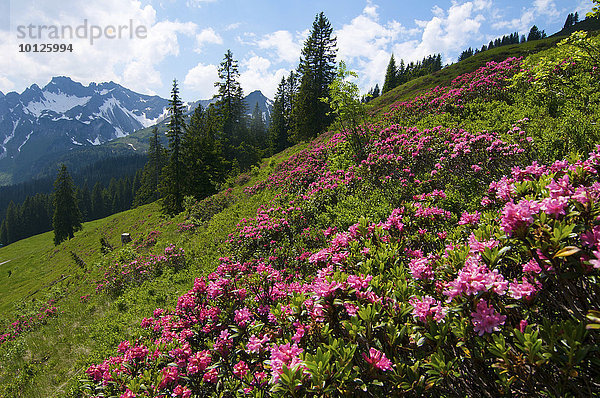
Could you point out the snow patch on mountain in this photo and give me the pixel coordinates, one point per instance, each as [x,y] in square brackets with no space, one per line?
[24,142]
[12,135]
[56,102]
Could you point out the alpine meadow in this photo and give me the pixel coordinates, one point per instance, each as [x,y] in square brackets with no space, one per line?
[437,237]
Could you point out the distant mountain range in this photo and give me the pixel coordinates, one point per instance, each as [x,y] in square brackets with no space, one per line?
[42,124]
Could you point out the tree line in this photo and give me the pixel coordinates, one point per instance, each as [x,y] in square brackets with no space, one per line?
[35,214]
[221,140]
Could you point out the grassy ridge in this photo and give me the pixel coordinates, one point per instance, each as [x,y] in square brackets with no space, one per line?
[443,77]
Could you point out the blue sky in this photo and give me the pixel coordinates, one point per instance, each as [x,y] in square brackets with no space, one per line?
[186,39]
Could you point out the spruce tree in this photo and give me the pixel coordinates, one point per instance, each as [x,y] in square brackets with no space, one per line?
[202,154]
[67,217]
[534,34]
[316,70]
[172,182]
[391,74]
[277,130]
[231,106]
[148,190]
[257,127]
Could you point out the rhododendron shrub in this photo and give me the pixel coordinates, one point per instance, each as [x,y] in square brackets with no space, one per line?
[476,282]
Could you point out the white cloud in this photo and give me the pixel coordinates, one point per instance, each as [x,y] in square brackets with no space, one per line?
[131,61]
[365,43]
[201,79]
[447,32]
[233,26]
[286,46]
[198,3]
[522,24]
[546,7]
[6,85]
[207,36]
[257,75]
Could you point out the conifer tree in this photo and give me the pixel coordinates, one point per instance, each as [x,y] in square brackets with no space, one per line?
[569,21]
[257,127]
[231,106]
[67,217]
[172,181]
[148,190]
[202,154]
[534,34]
[391,74]
[278,134]
[316,70]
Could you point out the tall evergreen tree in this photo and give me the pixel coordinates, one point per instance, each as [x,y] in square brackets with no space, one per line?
[278,133]
[534,34]
[569,21]
[257,128]
[316,70]
[231,106]
[202,154]
[148,190]
[67,217]
[171,186]
[391,74]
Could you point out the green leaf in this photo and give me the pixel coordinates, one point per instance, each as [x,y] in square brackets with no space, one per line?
[567,251]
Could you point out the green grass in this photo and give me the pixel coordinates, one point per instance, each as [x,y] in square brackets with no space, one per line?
[48,360]
[445,76]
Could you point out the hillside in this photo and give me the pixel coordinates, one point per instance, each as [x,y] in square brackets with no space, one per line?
[449,247]
[450,72]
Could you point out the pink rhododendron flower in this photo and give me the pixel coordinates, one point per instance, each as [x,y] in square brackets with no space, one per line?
[427,306]
[170,374]
[532,266]
[475,277]
[378,359]
[485,319]
[517,216]
[469,218]
[521,290]
[211,376]
[240,369]
[285,354]
[420,268]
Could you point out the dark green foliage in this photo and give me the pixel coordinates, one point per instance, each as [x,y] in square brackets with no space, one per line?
[282,114]
[202,154]
[67,217]
[505,40]
[317,70]
[390,76]
[535,34]
[569,21]
[148,191]
[396,76]
[258,130]
[171,186]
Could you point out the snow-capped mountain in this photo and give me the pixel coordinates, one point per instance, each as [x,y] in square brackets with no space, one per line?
[65,114]
[41,127]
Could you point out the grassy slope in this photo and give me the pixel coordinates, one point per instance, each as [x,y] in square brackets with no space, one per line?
[47,360]
[445,76]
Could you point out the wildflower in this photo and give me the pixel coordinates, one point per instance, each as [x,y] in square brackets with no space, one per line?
[378,360]
[486,319]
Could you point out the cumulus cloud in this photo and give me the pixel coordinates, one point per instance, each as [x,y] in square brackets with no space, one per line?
[207,36]
[447,32]
[522,24]
[131,60]
[365,43]
[198,3]
[257,75]
[286,47]
[201,80]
